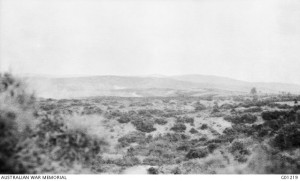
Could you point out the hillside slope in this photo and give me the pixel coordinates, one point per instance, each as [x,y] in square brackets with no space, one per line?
[126,86]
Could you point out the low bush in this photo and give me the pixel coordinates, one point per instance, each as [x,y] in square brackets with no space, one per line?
[152,171]
[197,153]
[153,161]
[183,148]
[239,151]
[288,137]
[199,107]
[179,127]
[18,153]
[204,126]
[176,171]
[244,118]
[193,131]
[124,119]
[68,146]
[91,110]
[144,125]
[185,119]
[252,110]
[271,115]
[160,121]
[211,147]
[133,137]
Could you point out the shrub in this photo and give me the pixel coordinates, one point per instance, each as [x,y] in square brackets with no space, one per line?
[91,110]
[204,126]
[270,115]
[124,119]
[133,137]
[183,148]
[215,110]
[143,125]
[217,114]
[244,118]
[197,153]
[288,137]
[113,114]
[194,131]
[176,171]
[178,127]
[238,149]
[253,109]
[152,171]
[185,119]
[153,161]
[17,151]
[243,129]
[161,121]
[199,107]
[266,160]
[129,161]
[68,146]
[248,118]
[211,147]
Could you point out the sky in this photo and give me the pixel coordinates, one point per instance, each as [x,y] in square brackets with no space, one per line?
[252,40]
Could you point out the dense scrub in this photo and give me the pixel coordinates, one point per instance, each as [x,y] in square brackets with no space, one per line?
[243,118]
[174,135]
[30,145]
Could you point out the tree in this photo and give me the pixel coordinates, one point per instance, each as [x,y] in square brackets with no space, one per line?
[253,91]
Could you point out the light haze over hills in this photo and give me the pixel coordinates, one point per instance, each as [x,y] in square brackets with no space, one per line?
[147,86]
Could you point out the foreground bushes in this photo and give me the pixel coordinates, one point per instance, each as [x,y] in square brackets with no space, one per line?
[288,137]
[29,145]
[16,121]
[240,152]
[67,146]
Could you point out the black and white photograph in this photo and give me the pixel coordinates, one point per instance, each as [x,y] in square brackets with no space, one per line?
[149,87]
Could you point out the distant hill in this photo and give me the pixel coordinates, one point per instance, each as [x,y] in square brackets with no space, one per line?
[134,86]
[225,83]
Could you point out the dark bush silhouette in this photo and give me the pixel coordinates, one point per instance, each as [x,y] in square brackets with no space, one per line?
[211,147]
[252,110]
[193,131]
[244,118]
[197,153]
[160,121]
[204,126]
[178,127]
[288,137]
[270,115]
[144,125]
[124,119]
[186,119]
[152,171]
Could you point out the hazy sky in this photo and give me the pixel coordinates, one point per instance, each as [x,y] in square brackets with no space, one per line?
[254,40]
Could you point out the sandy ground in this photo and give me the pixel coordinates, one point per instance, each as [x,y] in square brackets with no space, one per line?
[141,169]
